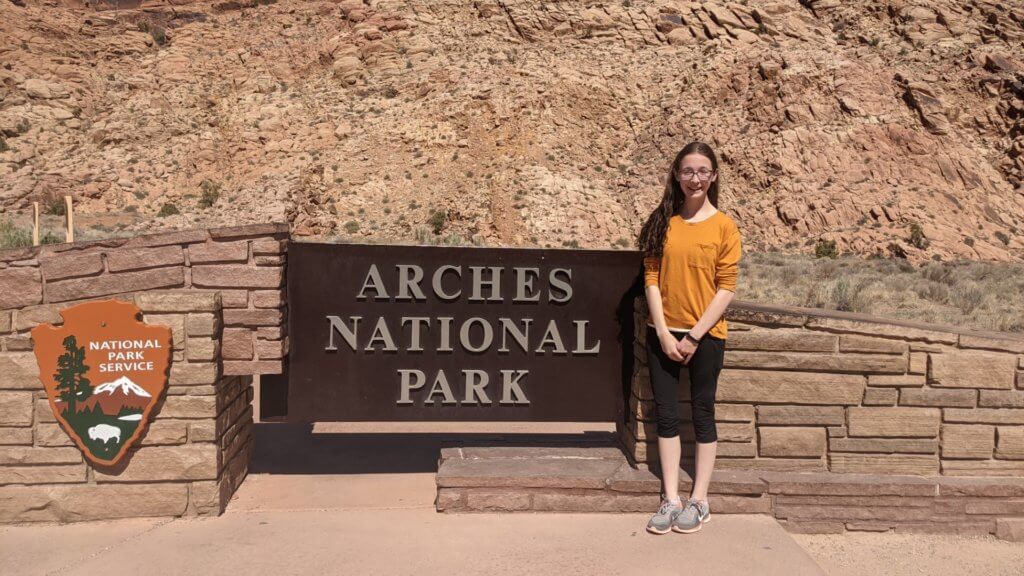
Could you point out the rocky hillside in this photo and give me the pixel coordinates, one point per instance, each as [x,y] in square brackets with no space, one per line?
[891,127]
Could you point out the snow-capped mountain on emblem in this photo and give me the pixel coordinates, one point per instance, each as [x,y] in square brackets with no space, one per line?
[125,384]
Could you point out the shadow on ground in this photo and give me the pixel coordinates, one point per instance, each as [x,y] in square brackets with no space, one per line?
[298,449]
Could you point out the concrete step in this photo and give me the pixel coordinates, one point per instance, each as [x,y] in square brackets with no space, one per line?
[600,479]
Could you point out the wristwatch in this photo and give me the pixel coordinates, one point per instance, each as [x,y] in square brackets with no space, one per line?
[690,337]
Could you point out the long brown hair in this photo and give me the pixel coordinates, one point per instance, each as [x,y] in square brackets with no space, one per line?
[652,235]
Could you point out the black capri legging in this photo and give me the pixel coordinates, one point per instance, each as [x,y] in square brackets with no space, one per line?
[704,368]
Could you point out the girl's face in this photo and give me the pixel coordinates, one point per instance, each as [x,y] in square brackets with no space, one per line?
[695,175]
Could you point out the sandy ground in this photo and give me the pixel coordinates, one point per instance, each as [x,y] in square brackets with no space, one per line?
[310,511]
[860,553]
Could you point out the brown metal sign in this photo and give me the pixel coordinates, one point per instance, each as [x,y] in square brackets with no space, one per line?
[470,334]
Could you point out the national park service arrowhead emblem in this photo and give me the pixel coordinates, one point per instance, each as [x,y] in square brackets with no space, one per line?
[104,371]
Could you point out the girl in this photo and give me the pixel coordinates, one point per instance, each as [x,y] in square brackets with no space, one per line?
[691,258]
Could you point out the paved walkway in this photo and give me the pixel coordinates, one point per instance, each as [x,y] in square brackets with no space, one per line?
[385,523]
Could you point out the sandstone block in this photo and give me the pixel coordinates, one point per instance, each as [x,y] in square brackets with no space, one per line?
[193,374]
[176,322]
[1001,399]
[235,298]
[889,422]
[19,455]
[916,464]
[163,463]
[730,412]
[816,362]
[70,265]
[48,474]
[20,287]
[1010,442]
[871,328]
[249,230]
[30,317]
[268,298]
[237,344]
[17,343]
[189,407]
[996,487]
[202,350]
[237,276]
[165,433]
[765,386]
[275,349]
[968,369]
[880,396]
[19,370]
[15,436]
[884,445]
[984,415]
[855,343]
[72,503]
[108,284]
[202,324]
[203,431]
[937,398]
[213,251]
[16,408]
[792,441]
[178,301]
[967,441]
[269,246]
[918,363]
[801,415]
[783,340]
[1011,344]
[1010,529]
[242,367]
[497,500]
[140,258]
[735,431]
[51,434]
[263,317]
[983,467]
[905,380]
[772,464]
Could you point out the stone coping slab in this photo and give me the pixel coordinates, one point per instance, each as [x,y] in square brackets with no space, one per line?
[600,479]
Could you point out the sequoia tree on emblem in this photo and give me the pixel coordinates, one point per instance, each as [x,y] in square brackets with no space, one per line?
[104,371]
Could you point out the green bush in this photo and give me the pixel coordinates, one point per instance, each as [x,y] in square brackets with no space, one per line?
[825,249]
[917,239]
[210,193]
[437,220]
[351,226]
[168,209]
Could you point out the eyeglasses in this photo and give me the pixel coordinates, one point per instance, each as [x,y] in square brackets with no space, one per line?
[703,173]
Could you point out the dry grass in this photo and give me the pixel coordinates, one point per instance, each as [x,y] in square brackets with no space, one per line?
[980,295]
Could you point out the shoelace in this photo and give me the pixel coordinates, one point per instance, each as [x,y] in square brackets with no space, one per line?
[666,505]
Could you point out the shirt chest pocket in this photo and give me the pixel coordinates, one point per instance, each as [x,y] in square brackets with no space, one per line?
[703,255]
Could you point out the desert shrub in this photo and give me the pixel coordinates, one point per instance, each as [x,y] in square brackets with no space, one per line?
[209,193]
[168,209]
[825,249]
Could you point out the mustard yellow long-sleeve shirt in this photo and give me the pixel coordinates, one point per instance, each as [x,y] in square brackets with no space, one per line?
[698,259]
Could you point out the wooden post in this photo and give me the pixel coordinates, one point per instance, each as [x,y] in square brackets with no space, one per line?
[70,220]
[35,223]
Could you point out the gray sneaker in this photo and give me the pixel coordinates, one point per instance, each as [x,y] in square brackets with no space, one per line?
[661,522]
[693,516]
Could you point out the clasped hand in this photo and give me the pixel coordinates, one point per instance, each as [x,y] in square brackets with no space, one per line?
[678,349]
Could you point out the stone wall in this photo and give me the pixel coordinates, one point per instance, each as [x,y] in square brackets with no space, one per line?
[221,291]
[245,263]
[191,459]
[816,391]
